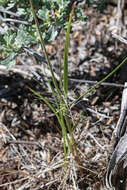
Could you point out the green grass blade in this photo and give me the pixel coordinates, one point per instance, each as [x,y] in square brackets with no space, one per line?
[54,95]
[59,118]
[66,54]
[99,83]
[43,48]
[50,106]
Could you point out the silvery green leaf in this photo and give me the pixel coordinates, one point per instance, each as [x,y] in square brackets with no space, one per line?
[10,61]
[11,64]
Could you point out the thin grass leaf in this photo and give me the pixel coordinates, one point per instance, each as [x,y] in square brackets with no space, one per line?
[66,54]
[99,83]
[62,116]
[50,106]
[60,120]
[54,95]
[45,53]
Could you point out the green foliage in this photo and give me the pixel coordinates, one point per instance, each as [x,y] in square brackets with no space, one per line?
[25,36]
[3,2]
[52,15]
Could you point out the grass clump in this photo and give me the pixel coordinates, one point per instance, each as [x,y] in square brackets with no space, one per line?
[60,94]
[61,99]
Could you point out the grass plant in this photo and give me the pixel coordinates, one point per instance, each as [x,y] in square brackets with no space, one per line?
[60,95]
[62,107]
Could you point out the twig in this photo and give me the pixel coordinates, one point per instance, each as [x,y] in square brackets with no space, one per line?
[39,144]
[3,10]
[13,20]
[94,82]
[97,113]
[14,182]
[51,182]
[120,128]
[24,142]
[120,38]
[96,141]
